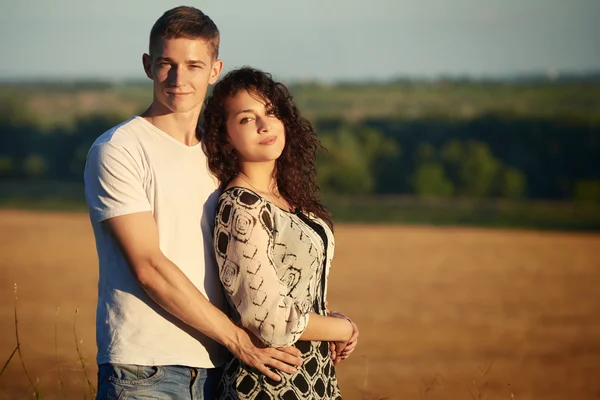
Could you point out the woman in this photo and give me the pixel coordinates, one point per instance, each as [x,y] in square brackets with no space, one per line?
[273,238]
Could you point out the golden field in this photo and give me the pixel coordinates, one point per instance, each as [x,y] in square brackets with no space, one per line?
[444,313]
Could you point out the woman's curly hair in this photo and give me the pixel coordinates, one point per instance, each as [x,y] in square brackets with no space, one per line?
[296,167]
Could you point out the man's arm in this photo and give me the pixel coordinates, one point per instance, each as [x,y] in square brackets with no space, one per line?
[137,236]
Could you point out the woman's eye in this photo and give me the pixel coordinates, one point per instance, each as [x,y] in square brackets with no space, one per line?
[271,112]
[244,120]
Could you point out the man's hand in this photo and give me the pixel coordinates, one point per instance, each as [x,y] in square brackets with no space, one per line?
[261,358]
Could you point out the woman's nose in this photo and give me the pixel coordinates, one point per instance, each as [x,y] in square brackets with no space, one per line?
[263,125]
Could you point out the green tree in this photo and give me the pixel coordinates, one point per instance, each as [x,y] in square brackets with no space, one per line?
[6,166]
[587,191]
[35,166]
[512,183]
[472,167]
[348,165]
[429,180]
[451,155]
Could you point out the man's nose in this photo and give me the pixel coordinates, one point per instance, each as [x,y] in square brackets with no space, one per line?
[176,75]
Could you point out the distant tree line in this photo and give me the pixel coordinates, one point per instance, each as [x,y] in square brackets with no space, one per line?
[488,156]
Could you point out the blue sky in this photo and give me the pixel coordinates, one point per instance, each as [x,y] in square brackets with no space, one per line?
[326,40]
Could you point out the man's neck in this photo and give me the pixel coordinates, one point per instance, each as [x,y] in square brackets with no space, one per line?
[181,126]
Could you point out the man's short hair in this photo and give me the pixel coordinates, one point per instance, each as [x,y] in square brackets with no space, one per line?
[188,23]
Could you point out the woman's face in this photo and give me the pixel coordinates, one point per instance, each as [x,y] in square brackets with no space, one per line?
[254,131]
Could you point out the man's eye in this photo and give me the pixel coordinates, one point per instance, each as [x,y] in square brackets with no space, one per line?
[271,111]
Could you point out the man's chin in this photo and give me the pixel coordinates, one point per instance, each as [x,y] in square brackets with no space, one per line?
[184,107]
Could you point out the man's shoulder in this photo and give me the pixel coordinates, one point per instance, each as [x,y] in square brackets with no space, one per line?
[124,135]
[122,142]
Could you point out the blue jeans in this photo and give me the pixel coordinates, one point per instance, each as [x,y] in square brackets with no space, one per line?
[160,382]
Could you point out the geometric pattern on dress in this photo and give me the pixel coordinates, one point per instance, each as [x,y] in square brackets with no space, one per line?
[315,379]
[274,267]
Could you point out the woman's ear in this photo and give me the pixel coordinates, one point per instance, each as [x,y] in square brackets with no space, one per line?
[229,151]
[227,139]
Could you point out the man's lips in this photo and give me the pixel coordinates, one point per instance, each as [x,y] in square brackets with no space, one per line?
[269,140]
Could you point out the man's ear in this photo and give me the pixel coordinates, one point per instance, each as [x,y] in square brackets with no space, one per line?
[147,63]
[215,72]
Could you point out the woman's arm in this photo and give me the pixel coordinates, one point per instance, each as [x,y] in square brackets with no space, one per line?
[244,247]
[327,329]
[244,244]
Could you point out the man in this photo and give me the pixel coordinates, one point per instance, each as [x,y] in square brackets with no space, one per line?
[152,202]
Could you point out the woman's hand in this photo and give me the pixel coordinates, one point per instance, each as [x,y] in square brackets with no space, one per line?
[341,350]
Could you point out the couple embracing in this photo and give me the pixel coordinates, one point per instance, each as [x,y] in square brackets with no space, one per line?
[214,249]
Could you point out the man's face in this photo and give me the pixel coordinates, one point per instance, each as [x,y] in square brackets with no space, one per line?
[181,70]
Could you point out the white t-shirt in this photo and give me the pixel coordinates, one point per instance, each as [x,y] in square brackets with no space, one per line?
[136,167]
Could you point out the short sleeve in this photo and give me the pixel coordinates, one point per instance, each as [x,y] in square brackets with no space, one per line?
[113,183]
[244,248]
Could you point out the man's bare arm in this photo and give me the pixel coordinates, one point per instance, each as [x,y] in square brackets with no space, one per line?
[137,236]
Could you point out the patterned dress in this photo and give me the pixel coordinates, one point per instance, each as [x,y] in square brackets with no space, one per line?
[274,265]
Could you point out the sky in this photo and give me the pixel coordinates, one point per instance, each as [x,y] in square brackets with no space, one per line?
[324,40]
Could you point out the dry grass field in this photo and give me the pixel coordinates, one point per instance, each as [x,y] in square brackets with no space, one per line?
[445,313]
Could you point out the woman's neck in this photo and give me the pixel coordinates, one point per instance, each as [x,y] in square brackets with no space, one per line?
[261,176]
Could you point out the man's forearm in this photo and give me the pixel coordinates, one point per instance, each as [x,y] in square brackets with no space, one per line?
[170,288]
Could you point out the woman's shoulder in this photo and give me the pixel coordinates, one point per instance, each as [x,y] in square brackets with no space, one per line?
[243,207]
[247,197]
[241,196]
[243,201]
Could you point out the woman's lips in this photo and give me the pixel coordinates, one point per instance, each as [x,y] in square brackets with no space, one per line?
[269,140]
